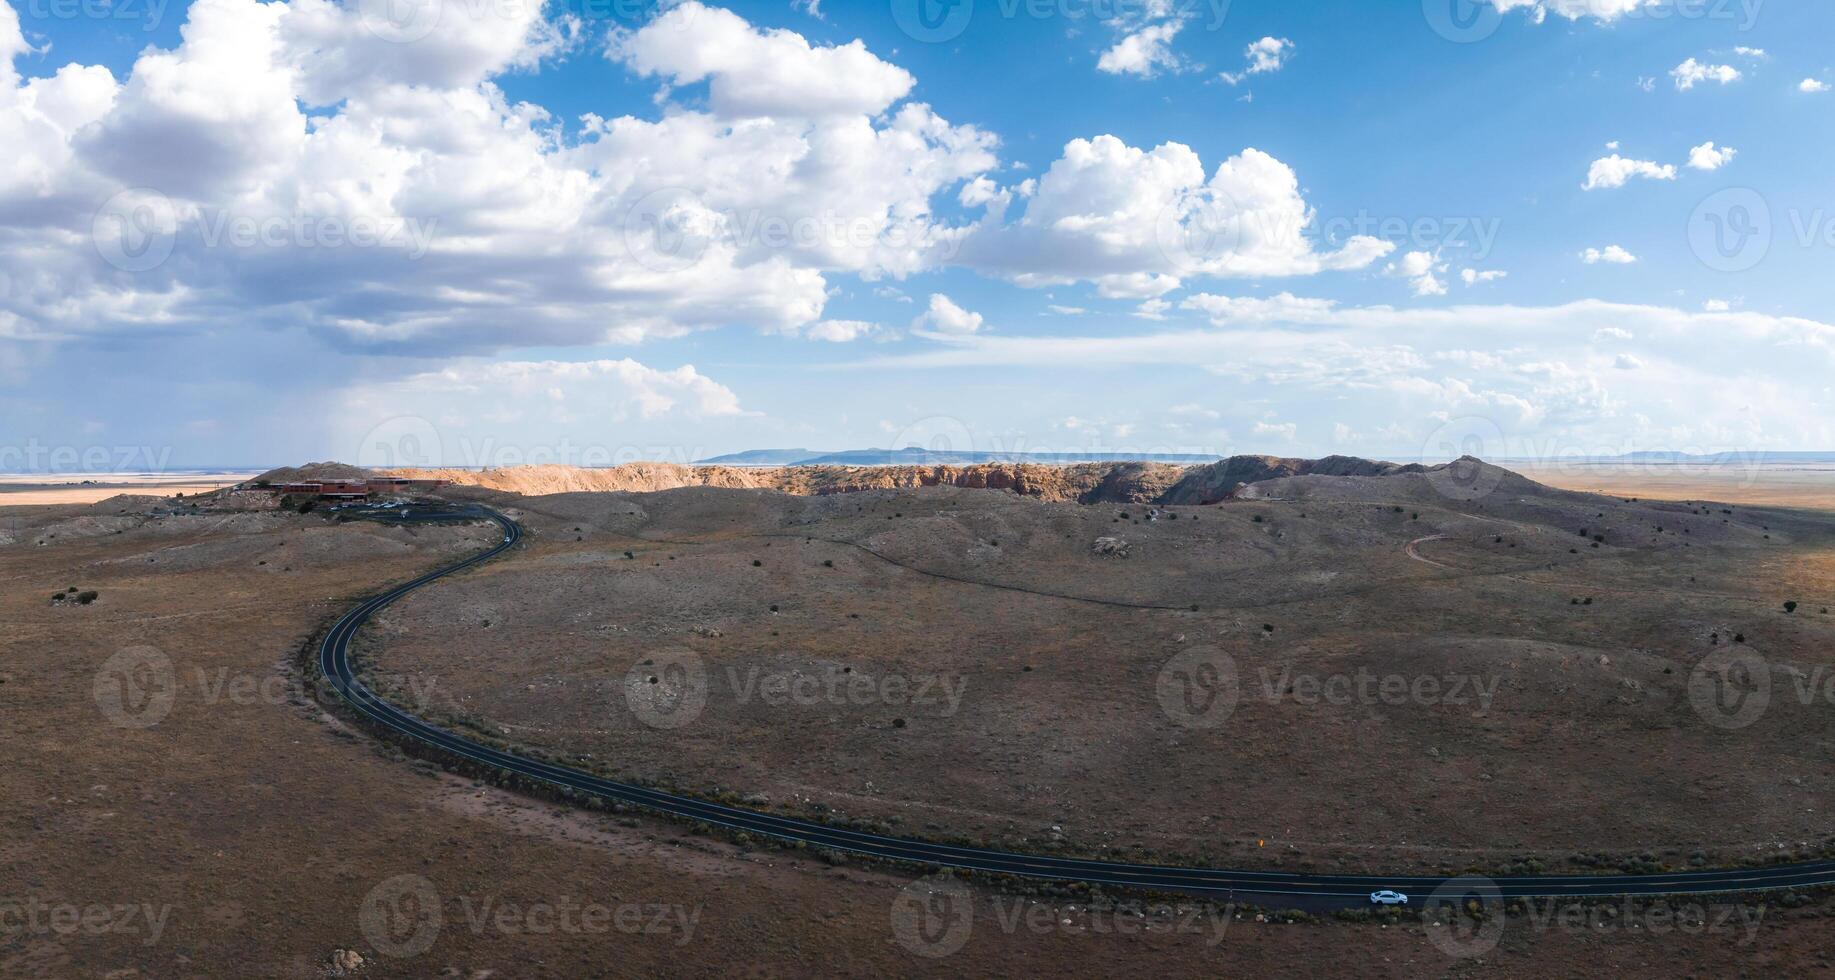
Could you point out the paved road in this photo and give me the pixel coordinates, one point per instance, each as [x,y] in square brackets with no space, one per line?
[1268,888]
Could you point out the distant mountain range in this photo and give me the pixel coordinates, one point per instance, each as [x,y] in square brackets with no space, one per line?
[915,456]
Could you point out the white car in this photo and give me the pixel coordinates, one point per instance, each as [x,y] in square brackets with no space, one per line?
[1387,897]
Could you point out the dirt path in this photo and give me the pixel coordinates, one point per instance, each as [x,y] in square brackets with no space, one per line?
[1409,549]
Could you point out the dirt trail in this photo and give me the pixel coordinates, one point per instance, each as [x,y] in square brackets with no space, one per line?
[1409,549]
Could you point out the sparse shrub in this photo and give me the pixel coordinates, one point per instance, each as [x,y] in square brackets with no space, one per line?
[898,723]
[87,597]
[1739,637]
[1790,607]
[757,564]
[1267,627]
[1257,519]
[828,564]
[57,597]
[630,555]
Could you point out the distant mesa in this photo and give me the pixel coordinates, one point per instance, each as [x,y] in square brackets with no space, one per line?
[314,473]
[1118,482]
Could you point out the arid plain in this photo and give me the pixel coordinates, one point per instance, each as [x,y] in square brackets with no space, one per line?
[1429,675]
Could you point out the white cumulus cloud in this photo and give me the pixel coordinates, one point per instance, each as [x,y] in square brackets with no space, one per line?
[1691,73]
[946,319]
[1269,54]
[1709,157]
[1610,255]
[1140,222]
[1144,53]
[1615,171]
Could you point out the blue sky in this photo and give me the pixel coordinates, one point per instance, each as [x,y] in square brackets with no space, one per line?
[490,231]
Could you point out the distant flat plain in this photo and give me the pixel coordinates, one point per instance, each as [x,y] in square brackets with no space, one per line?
[1807,485]
[26,489]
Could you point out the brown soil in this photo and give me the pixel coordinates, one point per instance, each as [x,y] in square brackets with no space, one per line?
[254,826]
[1560,730]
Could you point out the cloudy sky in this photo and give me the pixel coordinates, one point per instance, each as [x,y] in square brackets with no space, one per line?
[492,231]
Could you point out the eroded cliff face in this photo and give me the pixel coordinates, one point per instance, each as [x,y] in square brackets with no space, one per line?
[1088,483]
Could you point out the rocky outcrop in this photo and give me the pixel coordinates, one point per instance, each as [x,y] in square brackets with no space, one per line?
[1133,483]
[1109,548]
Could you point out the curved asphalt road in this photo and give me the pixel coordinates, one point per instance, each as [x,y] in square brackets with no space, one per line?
[1270,888]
